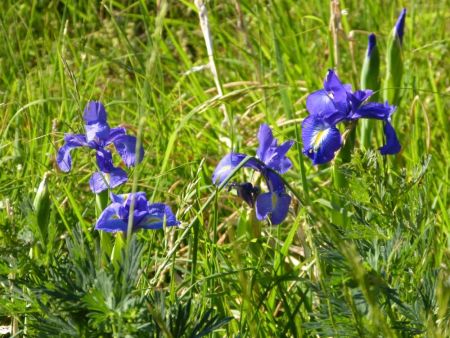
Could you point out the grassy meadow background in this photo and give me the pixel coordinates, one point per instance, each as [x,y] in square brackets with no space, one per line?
[383,270]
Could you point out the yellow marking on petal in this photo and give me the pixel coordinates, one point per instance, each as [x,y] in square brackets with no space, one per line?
[318,138]
[274,200]
[152,220]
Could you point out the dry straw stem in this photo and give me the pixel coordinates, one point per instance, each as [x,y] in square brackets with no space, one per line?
[204,25]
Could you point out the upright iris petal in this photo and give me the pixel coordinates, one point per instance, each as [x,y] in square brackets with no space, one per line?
[98,136]
[145,215]
[270,153]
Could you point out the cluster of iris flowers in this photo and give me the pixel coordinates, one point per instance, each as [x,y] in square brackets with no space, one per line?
[333,104]
[336,103]
[270,162]
[99,136]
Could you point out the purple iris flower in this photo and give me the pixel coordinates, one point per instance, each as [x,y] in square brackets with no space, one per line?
[98,136]
[146,215]
[338,103]
[271,161]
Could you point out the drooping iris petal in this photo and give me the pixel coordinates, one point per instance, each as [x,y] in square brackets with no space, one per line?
[101,181]
[94,113]
[392,145]
[263,205]
[372,110]
[281,207]
[273,204]
[63,158]
[228,163]
[157,213]
[273,180]
[320,141]
[126,147]
[115,132]
[117,177]
[110,220]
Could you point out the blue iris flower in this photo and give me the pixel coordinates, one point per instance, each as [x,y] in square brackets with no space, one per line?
[338,103]
[99,136]
[146,215]
[271,161]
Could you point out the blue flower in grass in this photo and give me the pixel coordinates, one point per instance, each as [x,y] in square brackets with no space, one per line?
[98,137]
[338,103]
[271,161]
[145,215]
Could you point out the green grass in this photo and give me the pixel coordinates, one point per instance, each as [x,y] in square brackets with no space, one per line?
[384,271]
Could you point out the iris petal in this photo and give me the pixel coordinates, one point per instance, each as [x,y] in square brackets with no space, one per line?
[270,153]
[273,204]
[281,208]
[97,132]
[263,205]
[109,219]
[334,87]
[94,113]
[101,181]
[372,110]
[266,141]
[228,163]
[63,158]
[278,160]
[114,133]
[154,219]
[320,103]
[392,145]
[320,141]
[126,147]
[273,180]
[104,160]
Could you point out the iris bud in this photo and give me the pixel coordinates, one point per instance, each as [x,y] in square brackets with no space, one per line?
[370,79]
[41,205]
[394,61]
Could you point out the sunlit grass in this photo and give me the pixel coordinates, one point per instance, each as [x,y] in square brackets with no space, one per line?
[383,271]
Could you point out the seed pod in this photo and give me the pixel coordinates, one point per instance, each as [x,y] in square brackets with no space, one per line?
[394,62]
[41,205]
